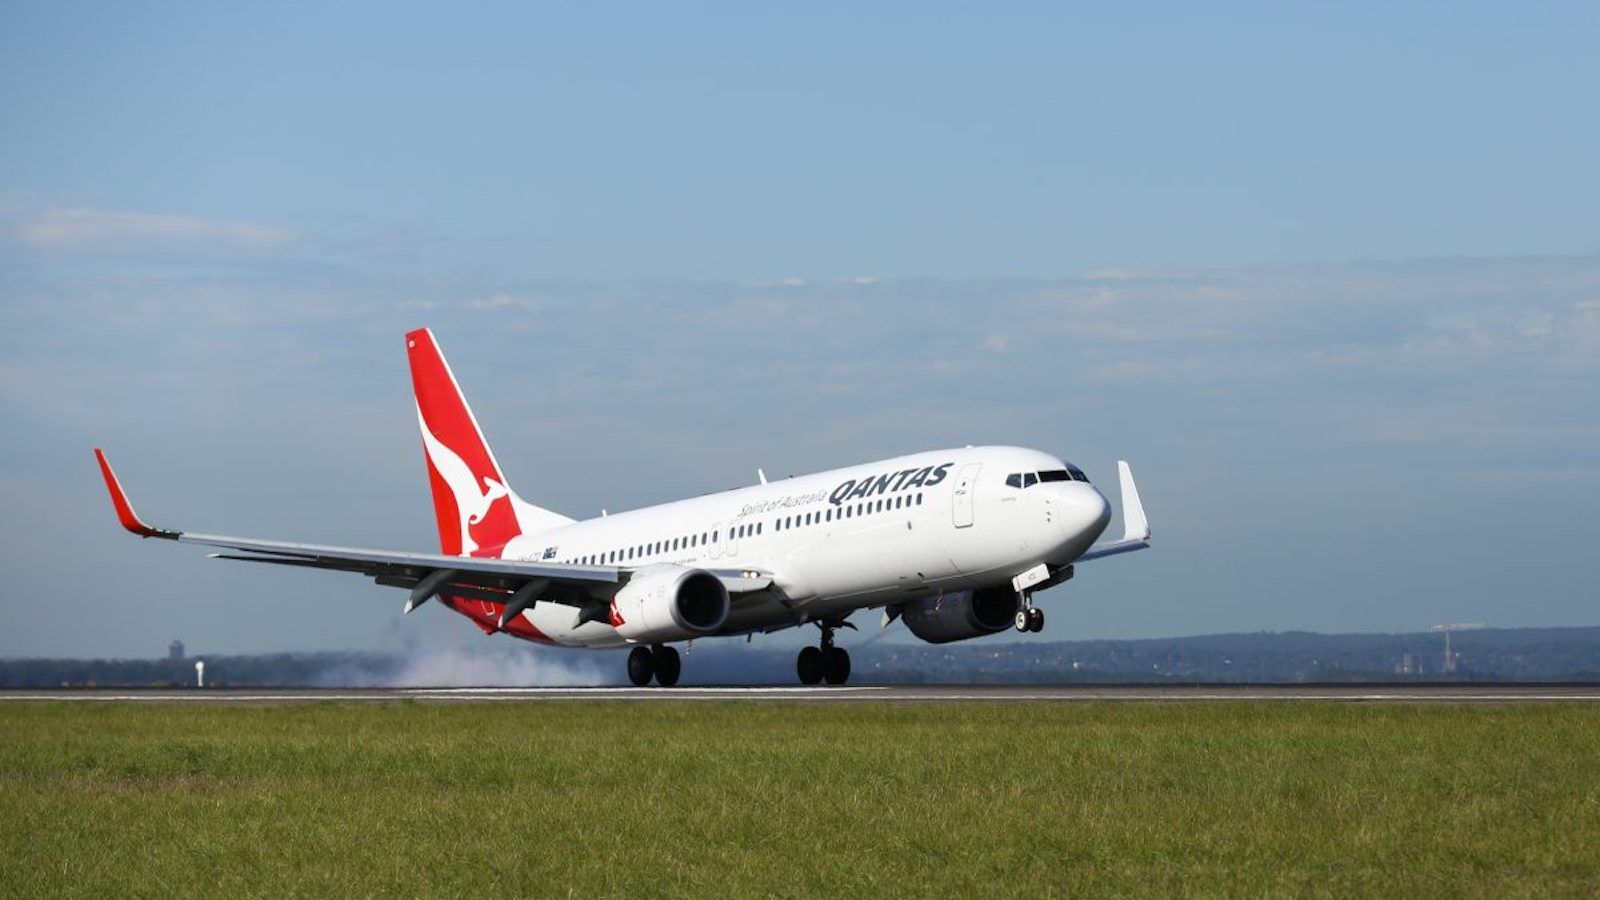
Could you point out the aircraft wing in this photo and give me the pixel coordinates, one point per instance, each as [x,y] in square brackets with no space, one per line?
[513,582]
[1135,527]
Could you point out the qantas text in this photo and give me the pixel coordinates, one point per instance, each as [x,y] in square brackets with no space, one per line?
[869,486]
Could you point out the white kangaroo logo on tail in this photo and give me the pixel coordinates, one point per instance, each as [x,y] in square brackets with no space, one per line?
[471,503]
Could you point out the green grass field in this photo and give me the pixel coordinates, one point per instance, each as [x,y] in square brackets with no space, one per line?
[733,799]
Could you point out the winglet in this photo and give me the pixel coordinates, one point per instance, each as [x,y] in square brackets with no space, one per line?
[125,514]
[1135,527]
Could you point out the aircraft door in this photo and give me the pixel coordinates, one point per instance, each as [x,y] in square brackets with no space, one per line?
[961,496]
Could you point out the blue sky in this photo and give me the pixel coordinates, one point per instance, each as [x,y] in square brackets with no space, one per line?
[1328,274]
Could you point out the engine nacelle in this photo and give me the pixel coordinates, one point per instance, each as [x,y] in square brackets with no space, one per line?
[962,615]
[670,603]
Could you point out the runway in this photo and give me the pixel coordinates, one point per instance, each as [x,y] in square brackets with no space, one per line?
[1325,693]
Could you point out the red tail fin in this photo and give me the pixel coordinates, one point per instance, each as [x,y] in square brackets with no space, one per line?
[471,499]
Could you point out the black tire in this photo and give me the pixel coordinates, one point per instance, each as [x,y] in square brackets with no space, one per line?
[1035,620]
[1023,621]
[836,665]
[808,665]
[668,665]
[641,666]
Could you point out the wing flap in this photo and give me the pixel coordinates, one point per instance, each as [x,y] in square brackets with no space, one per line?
[357,559]
[478,577]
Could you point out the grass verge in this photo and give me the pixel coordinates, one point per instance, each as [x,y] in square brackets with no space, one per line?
[728,799]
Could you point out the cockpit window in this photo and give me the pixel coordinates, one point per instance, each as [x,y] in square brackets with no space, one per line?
[1029,479]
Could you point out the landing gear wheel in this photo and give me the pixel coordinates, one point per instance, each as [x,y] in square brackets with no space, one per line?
[1035,619]
[1024,622]
[668,665]
[641,666]
[835,665]
[808,665]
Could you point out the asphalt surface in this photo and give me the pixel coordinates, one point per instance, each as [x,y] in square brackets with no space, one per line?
[1360,693]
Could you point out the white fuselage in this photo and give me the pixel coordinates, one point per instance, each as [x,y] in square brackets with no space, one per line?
[838,541]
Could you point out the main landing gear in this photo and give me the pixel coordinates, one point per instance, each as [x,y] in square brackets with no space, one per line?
[1029,617]
[659,662]
[824,662]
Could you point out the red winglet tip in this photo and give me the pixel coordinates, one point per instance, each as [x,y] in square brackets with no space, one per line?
[125,514]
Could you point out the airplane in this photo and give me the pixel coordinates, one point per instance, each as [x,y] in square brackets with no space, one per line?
[953,543]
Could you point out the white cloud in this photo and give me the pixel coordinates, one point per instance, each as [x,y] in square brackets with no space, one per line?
[102,231]
[996,342]
[503,300]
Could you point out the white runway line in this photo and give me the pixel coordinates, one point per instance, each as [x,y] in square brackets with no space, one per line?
[702,689]
[861,693]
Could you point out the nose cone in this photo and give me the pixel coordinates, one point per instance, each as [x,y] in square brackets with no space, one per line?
[1084,514]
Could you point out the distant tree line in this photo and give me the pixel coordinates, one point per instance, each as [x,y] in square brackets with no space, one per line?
[1526,654]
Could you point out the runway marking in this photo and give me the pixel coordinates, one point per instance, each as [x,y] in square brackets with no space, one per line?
[857,693]
[703,689]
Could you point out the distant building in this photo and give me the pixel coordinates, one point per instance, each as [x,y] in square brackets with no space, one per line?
[175,650]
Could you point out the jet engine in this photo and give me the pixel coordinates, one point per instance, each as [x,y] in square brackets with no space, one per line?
[670,603]
[958,616]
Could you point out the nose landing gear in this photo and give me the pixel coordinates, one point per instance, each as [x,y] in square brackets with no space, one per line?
[824,662]
[659,662]
[1029,617]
